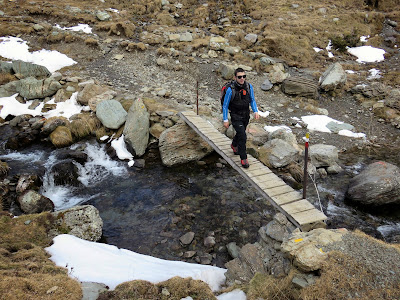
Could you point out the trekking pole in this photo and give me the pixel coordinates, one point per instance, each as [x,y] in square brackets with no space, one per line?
[306,139]
[197,99]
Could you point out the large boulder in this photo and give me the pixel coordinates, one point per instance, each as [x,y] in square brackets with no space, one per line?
[333,78]
[256,134]
[111,114]
[25,69]
[276,73]
[91,91]
[32,88]
[304,248]
[136,131]
[377,184]
[180,144]
[65,173]
[81,221]
[300,86]
[322,155]
[31,202]
[277,153]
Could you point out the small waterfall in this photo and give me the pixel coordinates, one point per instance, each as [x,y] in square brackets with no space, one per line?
[98,167]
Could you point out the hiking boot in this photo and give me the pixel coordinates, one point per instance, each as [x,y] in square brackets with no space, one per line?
[235,150]
[245,163]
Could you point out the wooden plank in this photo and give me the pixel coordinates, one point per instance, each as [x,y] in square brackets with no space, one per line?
[221,143]
[279,190]
[265,177]
[309,216]
[298,206]
[256,172]
[271,184]
[287,198]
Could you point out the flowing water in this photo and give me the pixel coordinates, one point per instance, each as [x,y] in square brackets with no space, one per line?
[148,210]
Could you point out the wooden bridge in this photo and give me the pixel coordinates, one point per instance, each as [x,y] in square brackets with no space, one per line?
[284,198]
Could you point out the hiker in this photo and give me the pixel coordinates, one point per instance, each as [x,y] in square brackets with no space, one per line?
[243,95]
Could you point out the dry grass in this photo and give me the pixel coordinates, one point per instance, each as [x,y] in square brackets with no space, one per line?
[4,168]
[25,270]
[84,125]
[61,137]
[268,287]
[345,278]
[6,78]
[175,288]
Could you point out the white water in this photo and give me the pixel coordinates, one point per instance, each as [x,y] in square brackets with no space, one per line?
[95,170]
[33,157]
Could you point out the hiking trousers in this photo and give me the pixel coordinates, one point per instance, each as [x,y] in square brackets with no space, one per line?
[239,123]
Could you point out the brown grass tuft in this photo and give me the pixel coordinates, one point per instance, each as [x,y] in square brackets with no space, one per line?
[4,168]
[126,29]
[344,278]
[92,42]
[84,125]
[25,270]
[264,286]
[6,78]
[175,288]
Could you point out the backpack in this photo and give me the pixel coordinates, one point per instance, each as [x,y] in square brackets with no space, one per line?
[223,91]
[231,85]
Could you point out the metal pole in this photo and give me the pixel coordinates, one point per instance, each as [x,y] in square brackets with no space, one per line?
[305,166]
[197,100]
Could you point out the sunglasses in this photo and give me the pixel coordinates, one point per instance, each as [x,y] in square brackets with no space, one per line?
[241,76]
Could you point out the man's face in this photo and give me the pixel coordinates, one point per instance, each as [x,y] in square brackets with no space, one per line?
[240,77]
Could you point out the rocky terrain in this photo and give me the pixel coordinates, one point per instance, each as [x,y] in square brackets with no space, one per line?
[168,54]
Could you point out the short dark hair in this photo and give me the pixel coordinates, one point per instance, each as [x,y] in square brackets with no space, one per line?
[239,70]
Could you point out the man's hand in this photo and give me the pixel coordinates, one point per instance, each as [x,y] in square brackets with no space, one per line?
[226,124]
[256,116]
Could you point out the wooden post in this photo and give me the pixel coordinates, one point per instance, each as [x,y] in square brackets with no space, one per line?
[305,166]
[197,99]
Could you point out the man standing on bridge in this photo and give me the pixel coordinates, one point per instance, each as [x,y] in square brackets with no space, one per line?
[239,95]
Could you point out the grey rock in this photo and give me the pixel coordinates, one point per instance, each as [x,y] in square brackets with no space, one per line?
[82,221]
[322,155]
[91,91]
[92,290]
[266,60]
[31,88]
[137,125]
[187,238]
[300,86]
[256,134]
[8,89]
[65,172]
[31,202]
[276,231]
[227,71]
[277,153]
[336,127]
[303,280]
[209,241]
[266,85]
[277,73]
[251,37]
[6,67]
[111,113]
[334,169]
[38,27]
[103,16]
[186,37]
[27,182]
[180,144]
[233,249]
[377,184]
[24,69]
[333,78]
